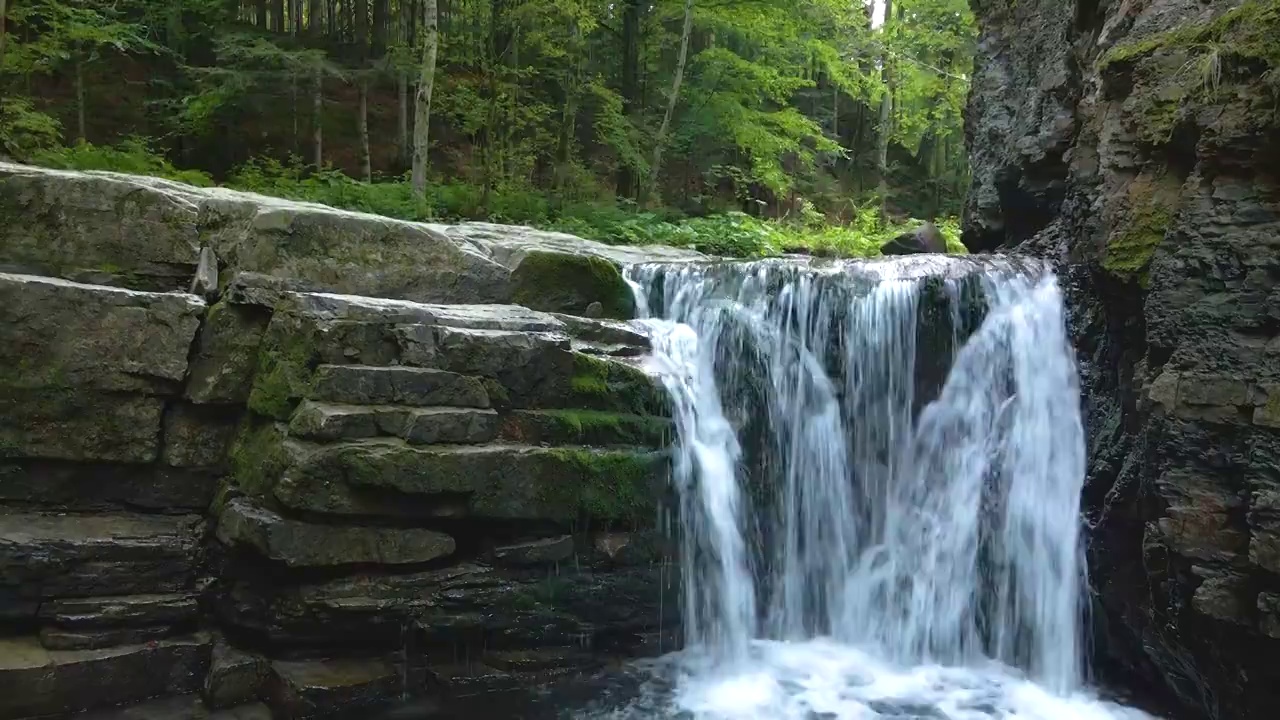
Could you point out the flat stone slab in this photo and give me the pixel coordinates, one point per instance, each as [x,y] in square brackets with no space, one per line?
[46,556]
[544,551]
[56,638]
[422,426]
[105,486]
[181,707]
[120,610]
[392,477]
[57,333]
[310,689]
[235,677]
[418,387]
[302,544]
[36,681]
[585,427]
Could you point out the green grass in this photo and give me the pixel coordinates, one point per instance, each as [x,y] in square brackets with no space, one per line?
[731,234]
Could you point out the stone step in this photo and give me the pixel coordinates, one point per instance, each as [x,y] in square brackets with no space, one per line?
[302,690]
[420,426]
[45,557]
[585,427]
[180,707]
[393,478]
[35,681]
[303,544]
[396,385]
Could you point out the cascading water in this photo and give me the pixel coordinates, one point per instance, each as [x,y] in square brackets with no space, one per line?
[849,551]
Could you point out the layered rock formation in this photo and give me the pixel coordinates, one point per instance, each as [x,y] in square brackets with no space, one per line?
[279,500]
[1137,142]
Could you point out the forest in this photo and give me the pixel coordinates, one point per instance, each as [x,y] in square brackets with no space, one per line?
[732,125]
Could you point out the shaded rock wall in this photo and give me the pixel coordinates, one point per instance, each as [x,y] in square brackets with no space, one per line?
[1137,143]
[310,500]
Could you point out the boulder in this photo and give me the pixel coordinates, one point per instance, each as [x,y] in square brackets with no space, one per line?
[567,283]
[301,690]
[924,239]
[235,677]
[301,544]
[35,681]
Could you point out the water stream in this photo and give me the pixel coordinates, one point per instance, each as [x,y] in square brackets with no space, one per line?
[879,468]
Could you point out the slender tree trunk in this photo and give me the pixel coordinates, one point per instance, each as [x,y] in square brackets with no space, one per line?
[277,9]
[687,30]
[81,134]
[402,91]
[569,115]
[886,115]
[630,81]
[362,129]
[4,9]
[422,109]
[261,13]
[317,119]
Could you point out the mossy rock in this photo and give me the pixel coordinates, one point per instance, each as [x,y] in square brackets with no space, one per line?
[569,283]
[585,427]
[1132,244]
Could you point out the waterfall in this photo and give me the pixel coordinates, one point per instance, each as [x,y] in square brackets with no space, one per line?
[879,467]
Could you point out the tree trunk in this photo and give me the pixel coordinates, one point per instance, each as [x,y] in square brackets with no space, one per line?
[4,9]
[422,109]
[402,91]
[81,134]
[886,115]
[362,128]
[630,81]
[675,96]
[261,13]
[380,14]
[317,119]
[277,9]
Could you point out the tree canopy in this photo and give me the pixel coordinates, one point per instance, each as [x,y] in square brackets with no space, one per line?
[766,107]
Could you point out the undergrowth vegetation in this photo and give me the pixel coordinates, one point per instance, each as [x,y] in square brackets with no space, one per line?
[732,234]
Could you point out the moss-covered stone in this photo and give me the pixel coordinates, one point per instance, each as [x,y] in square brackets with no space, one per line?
[258,457]
[226,353]
[390,477]
[568,282]
[1133,243]
[611,386]
[287,359]
[585,427]
[1248,32]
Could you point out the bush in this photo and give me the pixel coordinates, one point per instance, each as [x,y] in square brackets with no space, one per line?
[732,234]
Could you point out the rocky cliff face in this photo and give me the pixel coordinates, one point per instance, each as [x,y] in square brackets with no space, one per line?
[273,492]
[1137,141]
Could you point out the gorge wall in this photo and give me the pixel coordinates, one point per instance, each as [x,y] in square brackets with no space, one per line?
[299,489]
[1137,143]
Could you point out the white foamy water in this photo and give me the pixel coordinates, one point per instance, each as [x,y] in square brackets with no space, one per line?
[849,550]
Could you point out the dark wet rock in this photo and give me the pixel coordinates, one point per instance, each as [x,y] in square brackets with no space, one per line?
[205,281]
[303,544]
[545,551]
[120,610]
[1093,146]
[105,486]
[585,427]
[53,556]
[924,239]
[235,677]
[226,354]
[36,681]
[318,688]
[181,707]
[57,638]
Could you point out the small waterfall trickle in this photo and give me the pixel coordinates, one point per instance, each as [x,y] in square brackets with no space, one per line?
[879,467]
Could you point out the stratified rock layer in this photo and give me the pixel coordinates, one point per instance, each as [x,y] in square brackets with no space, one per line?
[296,502]
[1137,143]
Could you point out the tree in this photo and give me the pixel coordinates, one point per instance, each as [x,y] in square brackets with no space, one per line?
[687,29]
[422,106]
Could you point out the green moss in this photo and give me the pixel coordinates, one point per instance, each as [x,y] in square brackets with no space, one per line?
[258,458]
[612,386]
[610,485]
[1248,32]
[586,427]
[1131,247]
[566,282]
[286,362]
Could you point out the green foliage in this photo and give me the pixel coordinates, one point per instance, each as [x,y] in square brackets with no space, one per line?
[132,155]
[24,131]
